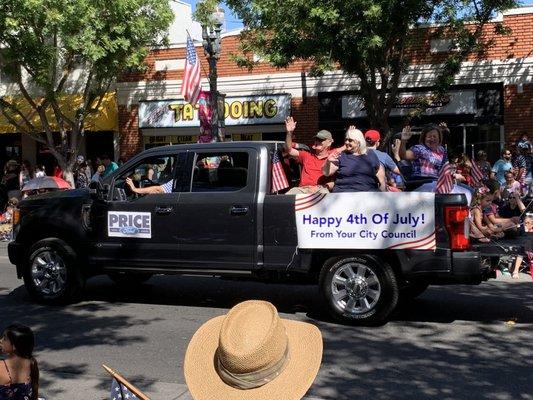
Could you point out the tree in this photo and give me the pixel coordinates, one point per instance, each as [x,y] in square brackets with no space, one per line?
[53,48]
[367,39]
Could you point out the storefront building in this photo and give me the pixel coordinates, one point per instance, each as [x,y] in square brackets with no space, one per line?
[100,137]
[489,105]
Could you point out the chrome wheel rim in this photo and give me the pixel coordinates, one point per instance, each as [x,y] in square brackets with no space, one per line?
[49,273]
[355,288]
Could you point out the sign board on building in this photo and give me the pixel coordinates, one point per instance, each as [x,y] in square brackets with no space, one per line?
[238,137]
[249,110]
[170,139]
[455,102]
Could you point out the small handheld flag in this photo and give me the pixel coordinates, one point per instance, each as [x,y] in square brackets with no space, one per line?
[279,180]
[445,180]
[476,174]
[121,389]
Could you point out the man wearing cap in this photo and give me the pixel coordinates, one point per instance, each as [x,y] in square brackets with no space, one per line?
[312,179]
[372,138]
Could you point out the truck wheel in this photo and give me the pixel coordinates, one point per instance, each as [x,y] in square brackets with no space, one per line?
[359,290]
[128,279]
[51,272]
[413,290]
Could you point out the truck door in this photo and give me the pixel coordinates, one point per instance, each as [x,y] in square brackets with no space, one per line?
[140,229]
[217,216]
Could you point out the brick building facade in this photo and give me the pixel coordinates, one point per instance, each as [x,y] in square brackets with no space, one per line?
[491,101]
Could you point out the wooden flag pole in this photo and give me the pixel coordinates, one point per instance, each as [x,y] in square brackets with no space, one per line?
[123,381]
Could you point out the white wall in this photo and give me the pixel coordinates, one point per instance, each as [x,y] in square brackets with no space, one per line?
[183,22]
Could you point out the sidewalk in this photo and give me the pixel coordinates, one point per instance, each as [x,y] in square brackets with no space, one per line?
[67,386]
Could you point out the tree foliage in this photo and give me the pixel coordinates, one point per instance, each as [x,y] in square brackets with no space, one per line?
[55,47]
[368,39]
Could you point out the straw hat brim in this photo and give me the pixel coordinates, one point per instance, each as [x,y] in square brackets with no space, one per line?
[305,356]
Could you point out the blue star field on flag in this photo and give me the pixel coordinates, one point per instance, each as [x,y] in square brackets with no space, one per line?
[120,392]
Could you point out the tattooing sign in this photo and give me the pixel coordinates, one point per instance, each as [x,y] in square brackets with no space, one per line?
[366,220]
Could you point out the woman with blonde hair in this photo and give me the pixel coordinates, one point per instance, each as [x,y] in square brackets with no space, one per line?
[357,168]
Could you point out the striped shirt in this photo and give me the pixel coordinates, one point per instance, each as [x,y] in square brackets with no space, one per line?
[427,163]
[167,187]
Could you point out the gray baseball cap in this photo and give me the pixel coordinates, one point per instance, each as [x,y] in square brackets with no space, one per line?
[323,135]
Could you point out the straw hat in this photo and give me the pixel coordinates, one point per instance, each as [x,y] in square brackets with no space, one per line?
[250,353]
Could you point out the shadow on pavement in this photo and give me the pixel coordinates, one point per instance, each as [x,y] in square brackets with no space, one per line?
[415,356]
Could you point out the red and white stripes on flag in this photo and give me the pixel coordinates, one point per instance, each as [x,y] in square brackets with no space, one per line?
[279,180]
[445,180]
[476,174]
[191,84]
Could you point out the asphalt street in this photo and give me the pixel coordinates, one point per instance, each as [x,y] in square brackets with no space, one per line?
[453,342]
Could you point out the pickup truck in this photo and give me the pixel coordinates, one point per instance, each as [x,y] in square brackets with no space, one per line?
[221,219]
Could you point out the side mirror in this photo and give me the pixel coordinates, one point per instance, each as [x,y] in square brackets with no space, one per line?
[97,190]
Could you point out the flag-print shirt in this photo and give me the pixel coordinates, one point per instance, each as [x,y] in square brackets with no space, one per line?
[427,163]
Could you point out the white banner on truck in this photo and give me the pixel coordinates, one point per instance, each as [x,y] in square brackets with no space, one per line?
[366,220]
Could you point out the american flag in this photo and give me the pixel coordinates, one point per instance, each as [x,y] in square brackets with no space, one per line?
[476,174]
[191,85]
[445,180]
[279,180]
[121,392]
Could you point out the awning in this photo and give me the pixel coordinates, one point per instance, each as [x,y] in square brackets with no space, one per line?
[105,120]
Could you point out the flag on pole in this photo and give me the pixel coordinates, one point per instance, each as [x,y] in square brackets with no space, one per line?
[191,84]
[121,389]
[279,180]
[445,180]
[121,392]
[476,174]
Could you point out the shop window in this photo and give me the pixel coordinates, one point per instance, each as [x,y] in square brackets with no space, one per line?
[220,172]
[442,46]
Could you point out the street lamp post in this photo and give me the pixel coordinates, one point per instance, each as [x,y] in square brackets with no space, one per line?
[211,43]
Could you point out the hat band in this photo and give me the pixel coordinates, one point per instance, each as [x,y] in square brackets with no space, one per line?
[252,380]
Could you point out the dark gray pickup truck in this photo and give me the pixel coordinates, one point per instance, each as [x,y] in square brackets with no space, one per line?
[220,219]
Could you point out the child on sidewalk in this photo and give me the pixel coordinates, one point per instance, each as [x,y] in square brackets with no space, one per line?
[19,372]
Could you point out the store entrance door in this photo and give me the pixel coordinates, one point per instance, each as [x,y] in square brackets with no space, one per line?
[470,138]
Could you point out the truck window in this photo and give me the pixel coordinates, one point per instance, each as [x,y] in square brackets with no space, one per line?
[220,172]
[152,171]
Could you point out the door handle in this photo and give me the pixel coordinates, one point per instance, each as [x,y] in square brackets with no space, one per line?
[239,210]
[163,209]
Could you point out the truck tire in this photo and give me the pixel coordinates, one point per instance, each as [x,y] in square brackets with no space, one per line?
[51,272]
[128,279]
[360,290]
[413,290]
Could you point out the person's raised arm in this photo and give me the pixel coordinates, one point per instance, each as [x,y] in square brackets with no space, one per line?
[146,190]
[290,126]
[519,202]
[396,150]
[331,165]
[403,152]
[380,174]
